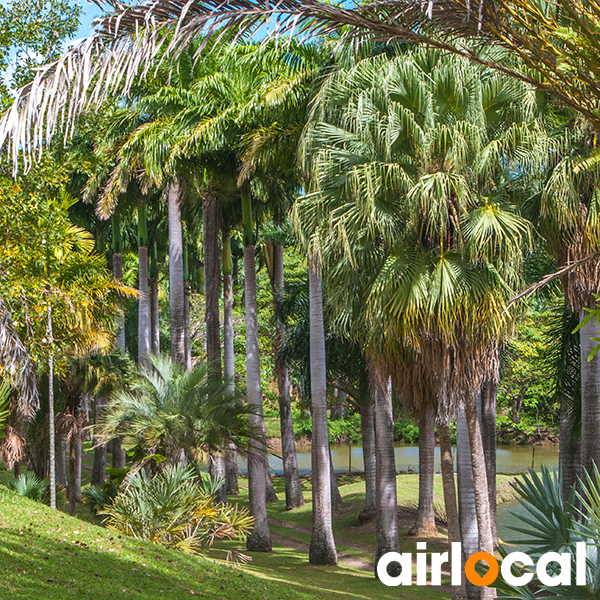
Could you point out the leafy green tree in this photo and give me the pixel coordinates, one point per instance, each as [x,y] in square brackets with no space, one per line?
[33,32]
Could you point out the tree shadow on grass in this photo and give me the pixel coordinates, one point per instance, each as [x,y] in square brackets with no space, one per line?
[34,567]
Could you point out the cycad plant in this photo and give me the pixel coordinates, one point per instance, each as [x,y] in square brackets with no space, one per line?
[546,525]
[174,510]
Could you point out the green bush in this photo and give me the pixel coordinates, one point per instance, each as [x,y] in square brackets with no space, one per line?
[29,485]
[406,431]
[173,509]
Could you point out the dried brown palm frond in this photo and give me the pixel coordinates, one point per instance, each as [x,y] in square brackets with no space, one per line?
[75,426]
[558,41]
[12,447]
[16,363]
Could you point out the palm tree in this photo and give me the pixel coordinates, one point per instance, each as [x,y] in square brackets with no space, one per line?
[175,413]
[392,173]
[322,545]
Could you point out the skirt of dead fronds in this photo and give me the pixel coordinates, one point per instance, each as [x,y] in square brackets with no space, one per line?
[12,447]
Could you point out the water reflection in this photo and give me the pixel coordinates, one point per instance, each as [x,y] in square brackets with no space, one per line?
[510,459]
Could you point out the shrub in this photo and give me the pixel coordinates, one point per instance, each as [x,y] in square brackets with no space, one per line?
[29,485]
[406,431]
[173,509]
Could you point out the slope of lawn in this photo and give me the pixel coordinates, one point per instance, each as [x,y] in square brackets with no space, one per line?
[47,554]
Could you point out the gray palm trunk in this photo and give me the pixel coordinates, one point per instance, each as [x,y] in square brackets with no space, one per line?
[61,460]
[117,259]
[231,470]
[480,484]
[118,455]
[569,455]
[51,434]
[488,434]
[466,498]
[271,494]
[187,298]
[260,538]
[144,334]
[293,487]
[99,467]
[590,397]
[322,545]
[74,470]
[231,467]
[425,519]
[176,289]
[212,294]
[387,499]
[144,340]
[212,285]
[367,427]
[447,464]
[154,309]
[336,497]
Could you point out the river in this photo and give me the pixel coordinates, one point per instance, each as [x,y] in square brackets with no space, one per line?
[510,459]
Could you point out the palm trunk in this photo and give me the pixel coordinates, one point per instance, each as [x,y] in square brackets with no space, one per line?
[117,259]
[480,485]
[466,498]
[217,470]
[154,310]
[187,304]
[176,289]
[99,468]
[425,520]
[231,470]
[336,497]
[271,495]
[569,455]
[144,338]
[590,398]
[458,592]
[488,433]
[260,538]
[61,460]
[322,545]
[73,471]
[231,466]
[78,461]
[212,285]
[367,426]
[293,487]
[387,500]
[228,334]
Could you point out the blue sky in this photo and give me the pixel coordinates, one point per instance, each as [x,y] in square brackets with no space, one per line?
[90,11]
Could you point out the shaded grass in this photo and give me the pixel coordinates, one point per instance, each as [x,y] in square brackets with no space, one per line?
[47,554]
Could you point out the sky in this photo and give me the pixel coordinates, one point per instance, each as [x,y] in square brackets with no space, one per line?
[89,12]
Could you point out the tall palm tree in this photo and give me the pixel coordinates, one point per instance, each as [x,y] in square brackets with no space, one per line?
[322,545]
[411,154]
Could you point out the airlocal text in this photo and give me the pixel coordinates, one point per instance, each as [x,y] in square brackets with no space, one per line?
[509,574]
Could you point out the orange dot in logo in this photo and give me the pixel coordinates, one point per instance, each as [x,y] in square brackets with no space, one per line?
[474,577]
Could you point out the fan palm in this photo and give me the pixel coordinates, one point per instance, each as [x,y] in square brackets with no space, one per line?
[413,163]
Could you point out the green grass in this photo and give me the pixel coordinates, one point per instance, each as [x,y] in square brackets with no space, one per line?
[47,554]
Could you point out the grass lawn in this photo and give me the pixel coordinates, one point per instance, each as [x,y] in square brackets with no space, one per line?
[47,554]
